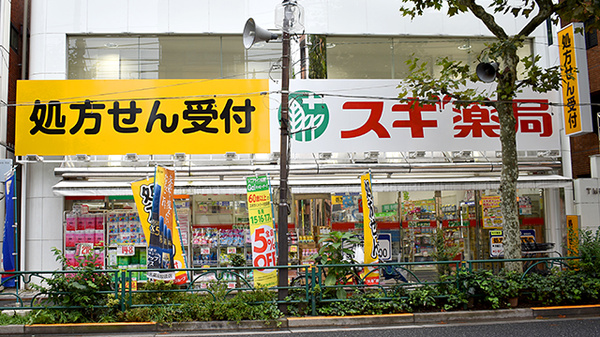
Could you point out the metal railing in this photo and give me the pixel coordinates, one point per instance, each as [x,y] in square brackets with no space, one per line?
[307,286]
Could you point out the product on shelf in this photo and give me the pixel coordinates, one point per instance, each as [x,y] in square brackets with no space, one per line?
[84,228]
[125,228]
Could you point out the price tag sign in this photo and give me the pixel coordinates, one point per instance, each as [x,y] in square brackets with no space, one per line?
[83,249]
[125,250]
[204,251]
[231,250]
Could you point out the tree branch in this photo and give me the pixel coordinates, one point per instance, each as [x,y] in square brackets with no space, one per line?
[486,18]
[545,10]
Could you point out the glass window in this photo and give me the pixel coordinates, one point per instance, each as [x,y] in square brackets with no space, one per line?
[381,58]
[169,57]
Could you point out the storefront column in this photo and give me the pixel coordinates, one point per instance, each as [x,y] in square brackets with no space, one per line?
[555,218]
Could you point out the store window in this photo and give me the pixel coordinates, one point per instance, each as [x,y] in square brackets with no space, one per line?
[169,57]
[209,56]
[382,58]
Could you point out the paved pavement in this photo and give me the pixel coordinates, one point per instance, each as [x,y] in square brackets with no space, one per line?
[308,322]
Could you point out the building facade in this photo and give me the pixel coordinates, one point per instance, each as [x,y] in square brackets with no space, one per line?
[425,177]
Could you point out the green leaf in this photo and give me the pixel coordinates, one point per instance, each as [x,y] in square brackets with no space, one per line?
[341,293]
[330,280]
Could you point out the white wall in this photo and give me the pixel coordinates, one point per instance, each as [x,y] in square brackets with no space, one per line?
[53,19]
[43,218]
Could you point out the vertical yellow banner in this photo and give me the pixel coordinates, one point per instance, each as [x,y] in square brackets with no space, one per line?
[572,235]
[164,249]
[261,229]
[570,87]
[369,229]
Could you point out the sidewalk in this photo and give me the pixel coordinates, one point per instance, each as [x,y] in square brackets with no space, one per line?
[306,322]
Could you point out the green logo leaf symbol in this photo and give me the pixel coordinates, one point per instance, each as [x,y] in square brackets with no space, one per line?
[309,116]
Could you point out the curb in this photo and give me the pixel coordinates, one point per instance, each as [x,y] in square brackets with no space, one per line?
[320,321]
[471,316]
[307,322]
[580,310]
[223,325]
[62,329]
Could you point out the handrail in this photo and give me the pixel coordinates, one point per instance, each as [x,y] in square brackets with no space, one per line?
[307,287]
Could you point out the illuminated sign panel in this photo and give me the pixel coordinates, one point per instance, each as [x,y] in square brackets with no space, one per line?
[115,117]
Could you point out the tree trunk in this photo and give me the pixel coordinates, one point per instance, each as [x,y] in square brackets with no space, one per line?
[510,166]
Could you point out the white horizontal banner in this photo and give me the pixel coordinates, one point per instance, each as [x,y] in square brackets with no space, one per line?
[362,115]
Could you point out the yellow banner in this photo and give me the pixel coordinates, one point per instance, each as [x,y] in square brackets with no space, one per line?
[116,117]
[573,235]
[369,229]
[570,88]
[261,229]
[143,194]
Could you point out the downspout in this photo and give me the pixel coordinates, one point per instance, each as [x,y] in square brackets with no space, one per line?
[22,228]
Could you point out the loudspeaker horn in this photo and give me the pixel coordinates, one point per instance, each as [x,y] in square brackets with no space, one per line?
[487,71]
[254,33]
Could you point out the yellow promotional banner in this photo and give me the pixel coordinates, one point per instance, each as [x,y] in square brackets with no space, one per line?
[575,80]
[260,214]
[370,230]
[164,243]
[116,117]
[573,235]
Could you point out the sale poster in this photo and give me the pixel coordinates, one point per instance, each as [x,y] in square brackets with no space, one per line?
[492,214]
[260,214]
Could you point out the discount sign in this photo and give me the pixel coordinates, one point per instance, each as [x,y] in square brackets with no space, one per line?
[260,215]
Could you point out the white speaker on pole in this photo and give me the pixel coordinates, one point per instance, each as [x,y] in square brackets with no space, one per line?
[487,71]
[253,33]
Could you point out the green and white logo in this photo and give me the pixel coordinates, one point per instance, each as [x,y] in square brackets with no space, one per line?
[309,115]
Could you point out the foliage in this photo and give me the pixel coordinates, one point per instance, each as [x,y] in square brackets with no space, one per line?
[423,298]
[372,303]
[13,319]
[259,304]
[445,250]
[159,292]
[589,251]
[337,255]
[483,287]
[84,287]
[237,260]
[317,55]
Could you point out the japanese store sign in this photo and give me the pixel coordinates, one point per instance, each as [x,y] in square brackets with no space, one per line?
[363,115]
[497,240]
[369,230]
[115,117]
[261,229]
[575,89]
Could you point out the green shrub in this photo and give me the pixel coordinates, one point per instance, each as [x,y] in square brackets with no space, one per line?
[589,251]
[84,292]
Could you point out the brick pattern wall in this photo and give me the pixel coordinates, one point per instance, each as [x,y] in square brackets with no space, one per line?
[14,69]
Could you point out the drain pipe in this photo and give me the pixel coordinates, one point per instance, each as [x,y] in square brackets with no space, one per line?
[22,224]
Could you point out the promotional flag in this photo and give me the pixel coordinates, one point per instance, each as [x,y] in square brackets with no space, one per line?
[159,223]
[369,230]
[8,248]
[262,231]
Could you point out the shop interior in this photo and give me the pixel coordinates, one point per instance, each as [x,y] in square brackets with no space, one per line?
[214,227]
